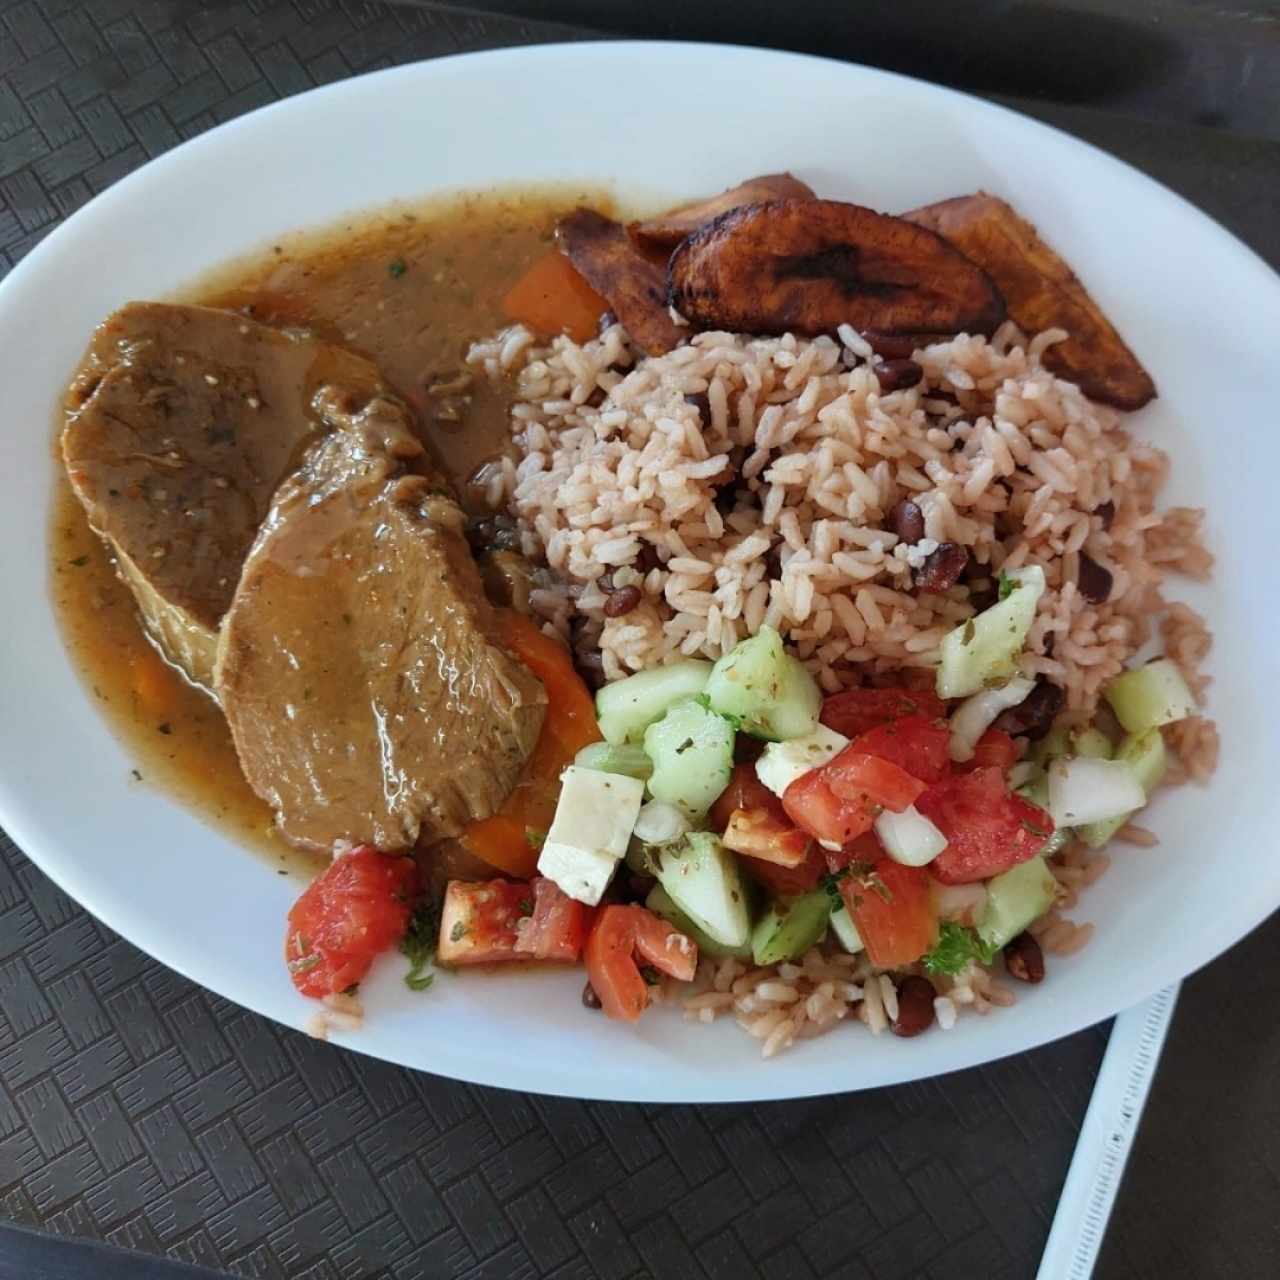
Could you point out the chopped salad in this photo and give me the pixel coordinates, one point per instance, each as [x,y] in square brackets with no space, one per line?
[731,810]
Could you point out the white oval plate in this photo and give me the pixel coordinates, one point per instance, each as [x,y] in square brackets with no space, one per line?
[663,120]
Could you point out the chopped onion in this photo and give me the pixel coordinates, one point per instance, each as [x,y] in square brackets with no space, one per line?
[1085,789]
[909,837]
[659,823]
[1022,773]
[975,715]
[962,903]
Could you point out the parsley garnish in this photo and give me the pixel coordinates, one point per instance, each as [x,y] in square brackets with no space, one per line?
[458,932]
[397,268]
[526,906]
[536,838]
[419,944]
[956,946]
[1007,586]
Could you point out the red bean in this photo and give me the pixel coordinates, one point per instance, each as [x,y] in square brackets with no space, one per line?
[896,375]
[647,559]
[907,521]
[621,602]
[915,1006]
[702,403]
[1093,580]
[890,346]
[942,568]
[1033,716]
[1024,960]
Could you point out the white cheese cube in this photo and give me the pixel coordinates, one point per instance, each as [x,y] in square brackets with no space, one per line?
[781,763]
[594,818]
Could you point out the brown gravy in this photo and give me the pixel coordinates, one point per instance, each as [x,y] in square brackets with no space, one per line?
[411,288]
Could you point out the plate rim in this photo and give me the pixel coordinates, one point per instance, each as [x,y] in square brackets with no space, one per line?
[23,825]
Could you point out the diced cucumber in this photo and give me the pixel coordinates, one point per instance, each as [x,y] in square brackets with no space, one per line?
[1036,789]
[985,649]
[764,689]
[1147,697]
[1146,755]
[702,877]
[661,904]
[1085,789]
[626,708]
[627,758]
[845,930]
[1055,743]
[692,752]
[1091,743]
[790,927]
[1014,899]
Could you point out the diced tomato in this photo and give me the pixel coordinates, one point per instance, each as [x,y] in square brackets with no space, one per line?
[854,775]
[995,749]
[814,807]
[988,828]
[558,926]
[745,791]
[615,938]
[894,911]
[856,710]
[915,743]
[357,907]
[503,840]
[786,882]
[480,921]
[864,848]
[761,835]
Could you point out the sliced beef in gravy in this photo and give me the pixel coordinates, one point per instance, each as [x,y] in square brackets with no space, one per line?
[359,666]
[180,424]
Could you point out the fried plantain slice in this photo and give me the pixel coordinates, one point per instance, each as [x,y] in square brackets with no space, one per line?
[668,229]
[632,285]
[809,266]
[1042,292]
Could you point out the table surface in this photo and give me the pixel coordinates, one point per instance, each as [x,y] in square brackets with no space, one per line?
[139,1110]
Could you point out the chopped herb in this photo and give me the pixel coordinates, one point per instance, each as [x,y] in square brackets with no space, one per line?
[536,838]
[165,728]
[651,976]
[458,932]
[526,906]
[969,632]
[419,944]
[397,268]
[956,946]
[1007,586]
[684,746]
[79,562]
[137,777]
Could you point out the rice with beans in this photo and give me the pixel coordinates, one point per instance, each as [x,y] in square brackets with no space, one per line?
[741,481]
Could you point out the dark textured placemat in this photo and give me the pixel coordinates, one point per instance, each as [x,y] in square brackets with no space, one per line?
[139,1109]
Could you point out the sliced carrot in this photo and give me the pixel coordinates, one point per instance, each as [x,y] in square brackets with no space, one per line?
[154,682]
[552,298]
[510,839]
